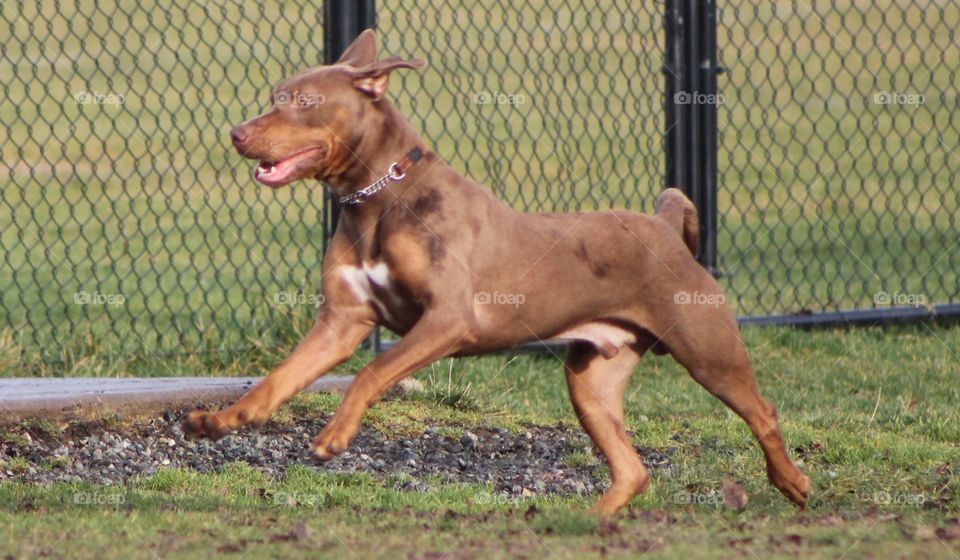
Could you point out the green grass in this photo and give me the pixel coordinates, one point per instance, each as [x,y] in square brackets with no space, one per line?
[311,515]
[826,198]
[870,414]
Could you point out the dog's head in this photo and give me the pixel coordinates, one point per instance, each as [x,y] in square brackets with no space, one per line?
[317,117]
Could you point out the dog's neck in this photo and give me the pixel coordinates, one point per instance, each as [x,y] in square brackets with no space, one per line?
[389,139]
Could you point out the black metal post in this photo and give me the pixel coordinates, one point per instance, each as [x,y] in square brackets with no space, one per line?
[343,20]
[707,70]
[673,71]
[690,106]
[692,99]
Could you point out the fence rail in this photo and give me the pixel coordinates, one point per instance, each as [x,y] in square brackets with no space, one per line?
[129,226]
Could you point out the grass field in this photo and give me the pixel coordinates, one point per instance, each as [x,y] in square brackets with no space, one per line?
[826,197]
[870,414]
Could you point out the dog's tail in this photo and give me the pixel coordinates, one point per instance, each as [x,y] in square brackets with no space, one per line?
[674,207]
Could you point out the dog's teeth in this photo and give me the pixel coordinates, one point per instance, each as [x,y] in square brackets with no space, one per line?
[272,169]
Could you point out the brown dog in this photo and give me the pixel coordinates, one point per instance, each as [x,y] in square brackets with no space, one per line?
[436,258]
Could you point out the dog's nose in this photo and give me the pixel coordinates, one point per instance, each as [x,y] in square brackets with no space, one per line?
[238,135]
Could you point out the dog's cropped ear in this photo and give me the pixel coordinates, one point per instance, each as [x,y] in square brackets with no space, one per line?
[372,78]
[362,51]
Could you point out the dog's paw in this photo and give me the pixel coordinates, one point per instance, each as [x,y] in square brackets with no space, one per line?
[205,424]
[797,489]
[329,444]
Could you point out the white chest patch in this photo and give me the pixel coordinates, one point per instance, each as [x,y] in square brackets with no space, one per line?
[379,274]
[362,280]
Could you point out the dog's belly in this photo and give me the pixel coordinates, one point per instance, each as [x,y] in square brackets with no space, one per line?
[606,337]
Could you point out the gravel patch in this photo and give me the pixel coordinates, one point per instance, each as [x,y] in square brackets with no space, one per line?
[529,463]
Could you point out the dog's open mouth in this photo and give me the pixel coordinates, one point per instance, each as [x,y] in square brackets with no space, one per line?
[279,173]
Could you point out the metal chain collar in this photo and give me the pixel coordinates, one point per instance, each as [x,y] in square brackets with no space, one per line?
[361,196]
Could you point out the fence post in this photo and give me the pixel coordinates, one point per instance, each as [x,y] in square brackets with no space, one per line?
[343,20]
[676,117]
[691,112]
[708,69]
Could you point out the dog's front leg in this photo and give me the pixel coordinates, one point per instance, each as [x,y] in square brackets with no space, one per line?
[331,341]
[427,342]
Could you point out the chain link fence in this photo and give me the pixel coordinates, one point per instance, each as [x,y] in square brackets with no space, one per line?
[128,225]
[556,105]
[839,128]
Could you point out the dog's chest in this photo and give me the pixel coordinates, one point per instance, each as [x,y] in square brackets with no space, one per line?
[373,283]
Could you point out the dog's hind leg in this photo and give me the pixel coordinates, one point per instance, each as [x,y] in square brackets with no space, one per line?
[596,388]
[706,341]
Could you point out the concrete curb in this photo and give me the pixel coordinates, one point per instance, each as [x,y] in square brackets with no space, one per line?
[83,396]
